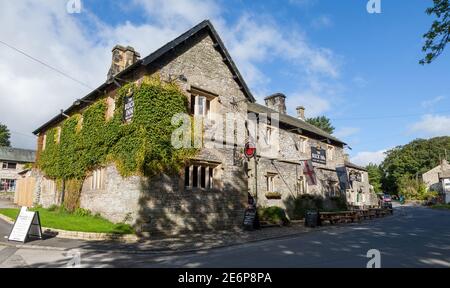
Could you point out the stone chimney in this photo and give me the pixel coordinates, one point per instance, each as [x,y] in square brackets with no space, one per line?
[122,58]
[301,113]
[277,102]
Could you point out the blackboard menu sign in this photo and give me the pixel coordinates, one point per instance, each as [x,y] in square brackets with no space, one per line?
[249,219]
[128,110]
[319,155]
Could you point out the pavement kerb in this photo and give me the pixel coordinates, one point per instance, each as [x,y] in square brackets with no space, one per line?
[169,251]
[164,251]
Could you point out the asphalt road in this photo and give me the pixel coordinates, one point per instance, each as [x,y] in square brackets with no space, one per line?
[413,237]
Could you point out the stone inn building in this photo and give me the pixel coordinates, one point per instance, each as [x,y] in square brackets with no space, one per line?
[12,162]
[212,191]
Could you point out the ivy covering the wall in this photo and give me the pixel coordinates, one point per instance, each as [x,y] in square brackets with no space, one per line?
[143,147]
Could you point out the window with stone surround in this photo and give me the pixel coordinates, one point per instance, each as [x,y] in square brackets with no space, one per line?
[302,144]
[44,141]
[111,106]
[199,176]
[201,102]
[7,185]
[58,134]
[330,153]
[97,179]
[302,187]
[270,182]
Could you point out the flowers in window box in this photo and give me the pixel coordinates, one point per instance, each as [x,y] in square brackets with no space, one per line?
[273,195]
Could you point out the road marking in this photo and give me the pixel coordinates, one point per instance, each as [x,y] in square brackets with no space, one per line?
[6,253]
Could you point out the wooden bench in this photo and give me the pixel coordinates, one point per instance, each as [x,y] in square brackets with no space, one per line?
[340,217]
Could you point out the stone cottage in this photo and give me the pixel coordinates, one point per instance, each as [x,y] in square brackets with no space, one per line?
[438,180]
[355,181]
[212,191]
[12,162]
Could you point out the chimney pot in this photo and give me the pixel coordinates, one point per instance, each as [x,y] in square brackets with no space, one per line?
[301,112]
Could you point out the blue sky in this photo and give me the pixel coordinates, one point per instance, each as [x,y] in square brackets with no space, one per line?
[333,57]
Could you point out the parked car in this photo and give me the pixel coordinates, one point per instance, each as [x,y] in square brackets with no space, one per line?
[385,201]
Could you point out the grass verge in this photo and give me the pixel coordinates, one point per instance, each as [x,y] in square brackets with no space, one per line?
[70,222]
[441,206]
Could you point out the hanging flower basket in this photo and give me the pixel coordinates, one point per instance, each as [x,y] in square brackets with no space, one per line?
[273,195]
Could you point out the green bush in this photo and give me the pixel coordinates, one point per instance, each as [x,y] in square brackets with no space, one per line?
[52,208]
[302,204]
[340,203]
[413,189]
[82,212]
[273,215]
[122,228]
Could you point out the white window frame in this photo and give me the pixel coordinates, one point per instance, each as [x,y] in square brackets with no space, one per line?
[302,185]
[270,182]
[5,165]
[98,179]
[9,187]
[330,153]
[202,106]
[303,143]
[44,141]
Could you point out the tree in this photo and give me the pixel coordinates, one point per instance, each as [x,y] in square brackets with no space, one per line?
[413,160]
[375,177]
[439,34]
[5,135]
[323,123]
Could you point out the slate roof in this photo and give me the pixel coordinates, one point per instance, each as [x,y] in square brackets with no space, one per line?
[354,166]
[17,155]
[205,26]
[294,122]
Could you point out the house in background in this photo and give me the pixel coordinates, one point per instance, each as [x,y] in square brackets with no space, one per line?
[12,162]
[438,180]
[354,181]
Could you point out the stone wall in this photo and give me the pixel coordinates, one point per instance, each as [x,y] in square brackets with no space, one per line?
[118,201]
[431,178]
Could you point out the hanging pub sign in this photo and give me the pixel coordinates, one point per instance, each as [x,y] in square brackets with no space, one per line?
[355,176]
[319,155]
[128,110]
[250,150]
[28,224]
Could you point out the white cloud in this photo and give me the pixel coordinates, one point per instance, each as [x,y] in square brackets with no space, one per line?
[345,132]
[80,45]
[430,103]
[432,125]
[313,103]
[365,158]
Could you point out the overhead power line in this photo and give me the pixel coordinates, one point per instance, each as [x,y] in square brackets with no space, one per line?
[388,116]
[45,64]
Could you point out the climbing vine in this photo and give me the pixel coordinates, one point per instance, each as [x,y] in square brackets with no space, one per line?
[88,140]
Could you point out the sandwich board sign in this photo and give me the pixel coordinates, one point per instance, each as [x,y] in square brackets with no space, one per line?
[28,224]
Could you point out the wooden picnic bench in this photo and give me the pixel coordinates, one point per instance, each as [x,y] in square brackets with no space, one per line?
[340,217]
[353,216]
